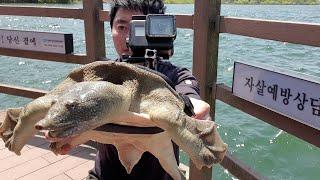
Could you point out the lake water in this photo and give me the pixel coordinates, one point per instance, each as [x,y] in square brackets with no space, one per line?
[273,153]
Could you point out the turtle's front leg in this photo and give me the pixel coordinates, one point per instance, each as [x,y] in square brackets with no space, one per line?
[9,121]
[198,138]
[18,127]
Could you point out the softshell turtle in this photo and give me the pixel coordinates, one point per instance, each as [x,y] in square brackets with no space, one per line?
[110,92]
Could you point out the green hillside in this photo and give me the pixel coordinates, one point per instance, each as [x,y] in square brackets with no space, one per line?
[39,1]
[252,1]
[183,1]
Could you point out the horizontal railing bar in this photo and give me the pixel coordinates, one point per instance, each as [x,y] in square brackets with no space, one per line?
[287,124]
[21,91]
[238,169]
[67,58]
[104,15]
[182,20]
[42,11]
[292,32]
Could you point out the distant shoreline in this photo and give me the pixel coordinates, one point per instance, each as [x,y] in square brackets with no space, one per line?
[254,2]
[230,2]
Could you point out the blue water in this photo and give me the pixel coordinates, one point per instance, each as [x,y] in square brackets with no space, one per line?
[273,153]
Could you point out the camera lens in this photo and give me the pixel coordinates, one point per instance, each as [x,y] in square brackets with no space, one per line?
[150,53]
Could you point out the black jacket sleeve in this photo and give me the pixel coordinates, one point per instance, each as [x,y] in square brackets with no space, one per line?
[184,82]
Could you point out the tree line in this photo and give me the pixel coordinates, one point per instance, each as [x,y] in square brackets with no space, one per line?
[271,1]
[183,1]
[252,1]
[39,1]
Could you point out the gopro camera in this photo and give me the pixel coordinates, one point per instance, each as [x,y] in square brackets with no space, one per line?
[152,36]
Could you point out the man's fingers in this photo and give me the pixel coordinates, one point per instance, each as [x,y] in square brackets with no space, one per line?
[65,149]
[201,108]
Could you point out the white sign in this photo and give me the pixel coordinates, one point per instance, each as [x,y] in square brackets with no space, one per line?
[36,41]
[280,90]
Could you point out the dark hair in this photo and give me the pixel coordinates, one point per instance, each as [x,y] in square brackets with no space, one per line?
[145,6]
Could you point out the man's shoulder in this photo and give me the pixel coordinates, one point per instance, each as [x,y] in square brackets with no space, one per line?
[168,69]
[167,66]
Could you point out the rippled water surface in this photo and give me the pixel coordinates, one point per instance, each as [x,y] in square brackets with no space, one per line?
[272,152]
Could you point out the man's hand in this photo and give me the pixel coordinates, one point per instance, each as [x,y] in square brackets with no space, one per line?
[201,109]
[62,150]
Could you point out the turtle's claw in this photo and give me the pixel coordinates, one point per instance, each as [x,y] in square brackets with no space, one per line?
[53,148]
[7,144]
[6,135]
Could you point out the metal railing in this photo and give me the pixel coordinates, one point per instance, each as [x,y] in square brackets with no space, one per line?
[207,25]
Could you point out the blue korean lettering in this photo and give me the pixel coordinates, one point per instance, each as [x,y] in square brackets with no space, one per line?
[260,87]
[285,92]
[301,101]
[315,106]
[273,90]
[249,83]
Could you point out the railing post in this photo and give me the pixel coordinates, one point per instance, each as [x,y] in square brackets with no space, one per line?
[94,30]
[205,61]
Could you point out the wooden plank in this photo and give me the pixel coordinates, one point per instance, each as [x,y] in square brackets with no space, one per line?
[52,158]
[287,124]
[5,153]
[61,177]
[67,58]
[35,142]
[182,20]
[80,171]
[293,32]
[61,166]
[104,15]
[29,155]
[94,30]
[205,62]
[239,169]
[24,169]
[41,11]
[21,91]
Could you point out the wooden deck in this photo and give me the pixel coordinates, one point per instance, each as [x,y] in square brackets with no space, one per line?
[38,162]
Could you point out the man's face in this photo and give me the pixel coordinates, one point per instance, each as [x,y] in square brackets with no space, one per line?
[120,29]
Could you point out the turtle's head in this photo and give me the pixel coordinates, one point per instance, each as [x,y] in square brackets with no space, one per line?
[79,109]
